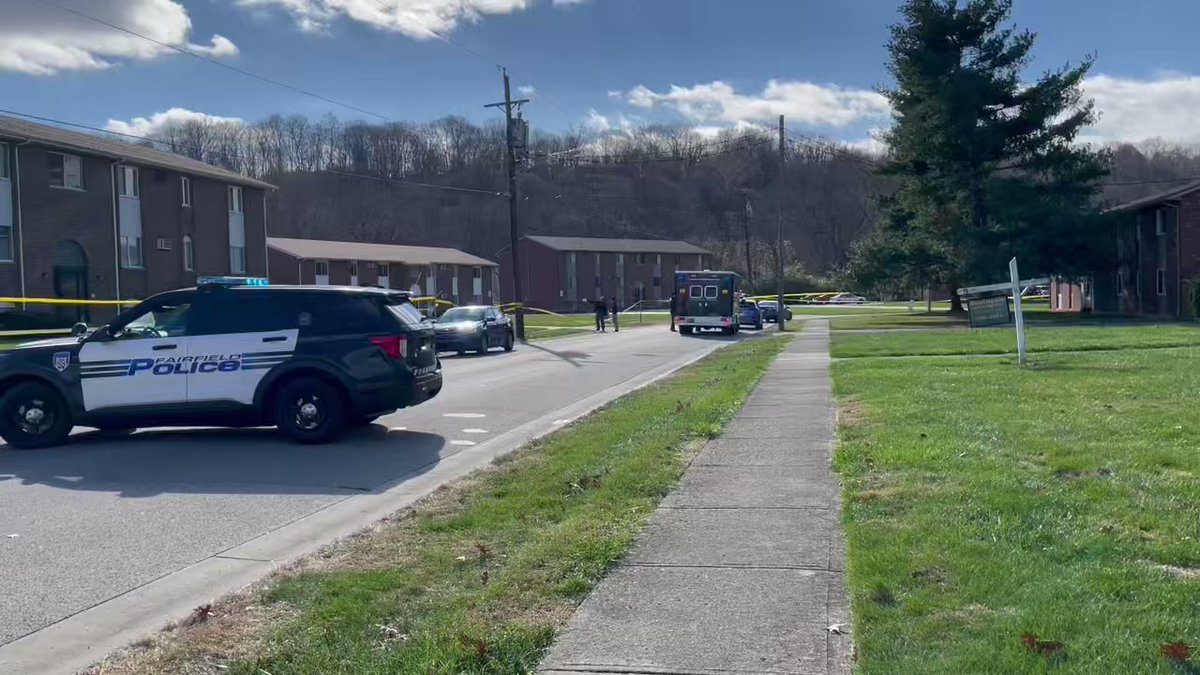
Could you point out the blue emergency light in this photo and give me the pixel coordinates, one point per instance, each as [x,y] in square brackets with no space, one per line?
[232,281]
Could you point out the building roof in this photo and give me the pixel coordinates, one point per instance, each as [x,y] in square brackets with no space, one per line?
[1157,198]
[317,249]
[606,245]
[12,127]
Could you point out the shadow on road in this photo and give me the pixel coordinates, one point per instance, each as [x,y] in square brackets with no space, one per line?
[227,461]
[570,357]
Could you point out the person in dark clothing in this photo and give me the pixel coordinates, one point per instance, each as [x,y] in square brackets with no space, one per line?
[601,309]
[615,311]
[674,302]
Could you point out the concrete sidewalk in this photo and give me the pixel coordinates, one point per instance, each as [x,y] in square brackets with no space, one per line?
[741,568]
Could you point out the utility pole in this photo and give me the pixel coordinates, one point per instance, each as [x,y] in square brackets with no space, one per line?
[781,316]
[514,234]
[746,213]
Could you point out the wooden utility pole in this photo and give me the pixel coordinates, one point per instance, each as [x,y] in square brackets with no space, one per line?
[781,316]
[514,230]
[746,211]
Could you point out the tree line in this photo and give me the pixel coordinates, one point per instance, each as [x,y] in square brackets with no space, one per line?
[974,172]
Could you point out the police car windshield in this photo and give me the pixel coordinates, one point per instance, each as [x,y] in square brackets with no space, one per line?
[458,314]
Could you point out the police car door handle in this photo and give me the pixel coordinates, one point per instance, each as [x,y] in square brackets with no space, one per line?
[159,348]
[275,338]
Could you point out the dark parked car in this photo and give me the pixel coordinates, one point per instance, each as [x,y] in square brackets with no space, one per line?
[770,311]
[749,314]
[477,328]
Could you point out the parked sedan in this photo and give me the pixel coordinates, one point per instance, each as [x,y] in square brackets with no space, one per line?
[476,328]
[749,314]
[770,311]
[847,299]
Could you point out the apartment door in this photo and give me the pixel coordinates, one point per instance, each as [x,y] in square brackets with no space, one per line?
[71,277]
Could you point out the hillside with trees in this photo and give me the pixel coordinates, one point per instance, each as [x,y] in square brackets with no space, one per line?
[390,183]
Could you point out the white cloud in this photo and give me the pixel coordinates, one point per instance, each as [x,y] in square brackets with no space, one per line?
[38,39]
[603,124]
[802,102]
[1135,111]
[154,125]
[527,90]
[221,47]
[418,19]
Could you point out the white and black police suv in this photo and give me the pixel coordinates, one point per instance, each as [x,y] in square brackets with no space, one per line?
[310,360]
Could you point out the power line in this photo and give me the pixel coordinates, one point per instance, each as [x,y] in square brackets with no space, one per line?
[409,183]
[202,57]
[241,154]
[76,125]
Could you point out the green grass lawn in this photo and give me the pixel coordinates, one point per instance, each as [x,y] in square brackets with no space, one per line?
[919,319]
[988,504]
[483,574]
[848,310]
[1004,340]
[546,326]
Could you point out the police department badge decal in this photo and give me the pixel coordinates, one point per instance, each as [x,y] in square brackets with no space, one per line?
[62,360]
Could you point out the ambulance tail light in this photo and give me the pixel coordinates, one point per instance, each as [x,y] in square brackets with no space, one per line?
[395,346]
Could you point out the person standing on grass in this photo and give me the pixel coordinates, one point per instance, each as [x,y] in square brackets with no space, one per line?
[615,311]
[600,308]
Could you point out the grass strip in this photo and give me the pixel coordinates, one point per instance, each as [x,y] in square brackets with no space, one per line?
[1004,341]
[546,326]
[1022,520]
[481,576]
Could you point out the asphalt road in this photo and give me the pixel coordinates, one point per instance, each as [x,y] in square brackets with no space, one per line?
[94,519]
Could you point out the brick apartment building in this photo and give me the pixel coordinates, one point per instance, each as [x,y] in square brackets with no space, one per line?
[558,273]
[1158,256]
[86,217]
[425,270]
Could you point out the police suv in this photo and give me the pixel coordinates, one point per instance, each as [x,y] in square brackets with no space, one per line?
[310,360]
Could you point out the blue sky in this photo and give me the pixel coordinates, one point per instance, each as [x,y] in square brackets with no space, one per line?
[601,63]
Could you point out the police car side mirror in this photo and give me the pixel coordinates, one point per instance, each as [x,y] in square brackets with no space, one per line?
[101,334]
[79,329]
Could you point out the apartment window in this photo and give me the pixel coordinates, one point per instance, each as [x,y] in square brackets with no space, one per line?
[127,182]
[1160,222]
[131,249]
[235,199]
[66,171]
[185,191]
[189,253]
[1160,281]
[6,248]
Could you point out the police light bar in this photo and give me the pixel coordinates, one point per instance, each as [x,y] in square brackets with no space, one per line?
[232,281]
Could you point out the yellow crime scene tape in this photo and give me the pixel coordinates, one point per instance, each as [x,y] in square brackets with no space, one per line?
[63,301]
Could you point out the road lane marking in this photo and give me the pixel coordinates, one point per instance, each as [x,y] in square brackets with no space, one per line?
[475,431]
[462,442]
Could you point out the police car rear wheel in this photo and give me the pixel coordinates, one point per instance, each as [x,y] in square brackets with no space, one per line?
[33,415]
[310,410]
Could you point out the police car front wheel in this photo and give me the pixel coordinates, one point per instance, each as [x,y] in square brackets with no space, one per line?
[310,410]
[34,415]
